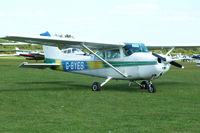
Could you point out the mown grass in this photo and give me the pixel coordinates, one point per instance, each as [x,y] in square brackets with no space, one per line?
[47,101]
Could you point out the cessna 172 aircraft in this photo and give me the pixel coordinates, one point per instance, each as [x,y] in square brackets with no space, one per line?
[126,61]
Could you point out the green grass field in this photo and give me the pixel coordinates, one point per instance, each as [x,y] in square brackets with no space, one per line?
[47,101]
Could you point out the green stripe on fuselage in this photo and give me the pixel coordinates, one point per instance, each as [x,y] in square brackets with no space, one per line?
[104,65]
[128,63]
[116,63]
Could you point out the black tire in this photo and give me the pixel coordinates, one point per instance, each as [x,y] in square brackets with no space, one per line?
[96,86]
[151,89]
[144,85]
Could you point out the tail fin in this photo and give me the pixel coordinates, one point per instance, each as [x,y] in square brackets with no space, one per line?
[51,52]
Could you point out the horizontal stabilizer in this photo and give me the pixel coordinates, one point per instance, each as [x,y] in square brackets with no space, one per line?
[38,65]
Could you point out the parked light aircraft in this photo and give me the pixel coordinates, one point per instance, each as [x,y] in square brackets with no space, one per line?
[14,43]
[126,61]
[183,58]
[38,55]
[30,54]
[197,57]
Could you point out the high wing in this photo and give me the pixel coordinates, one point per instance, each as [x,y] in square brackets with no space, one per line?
[62,42]
[74,43]
[164,45]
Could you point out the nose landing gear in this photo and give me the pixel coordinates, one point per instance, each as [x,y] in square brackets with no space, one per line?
[151,88]
[146,85]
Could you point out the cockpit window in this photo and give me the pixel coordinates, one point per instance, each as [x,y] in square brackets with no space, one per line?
[131,48]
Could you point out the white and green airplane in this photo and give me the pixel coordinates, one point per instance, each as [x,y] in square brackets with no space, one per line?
[125,61]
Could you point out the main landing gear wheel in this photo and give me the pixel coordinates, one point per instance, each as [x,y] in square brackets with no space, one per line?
[144,85]
[151,88]
[96,86]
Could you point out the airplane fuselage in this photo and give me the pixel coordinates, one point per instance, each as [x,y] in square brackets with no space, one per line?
[137,66]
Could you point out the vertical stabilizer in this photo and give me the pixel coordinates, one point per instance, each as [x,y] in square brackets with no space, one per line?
[51,52]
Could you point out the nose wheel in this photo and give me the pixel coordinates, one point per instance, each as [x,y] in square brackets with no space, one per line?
[151,88]
[148,86]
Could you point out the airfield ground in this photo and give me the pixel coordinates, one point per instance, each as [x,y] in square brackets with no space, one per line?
[46,101]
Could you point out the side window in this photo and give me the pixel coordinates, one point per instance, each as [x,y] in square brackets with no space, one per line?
[112,54]
[69,51]
[73,50]
[101,54]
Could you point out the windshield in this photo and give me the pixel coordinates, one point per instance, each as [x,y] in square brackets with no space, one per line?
[131,48]
[75,50]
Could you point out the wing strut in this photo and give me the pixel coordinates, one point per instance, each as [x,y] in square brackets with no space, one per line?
[117,70]
[108,79]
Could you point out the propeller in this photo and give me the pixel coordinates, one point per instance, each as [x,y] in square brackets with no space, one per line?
[160,57]
[176,64]
[167,59]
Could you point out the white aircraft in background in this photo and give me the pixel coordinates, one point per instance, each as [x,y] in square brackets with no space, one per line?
[15,52]
[14,43]
[183,58]
[29,54]
[73,51]
[126,61]
[197,58]
[38,55]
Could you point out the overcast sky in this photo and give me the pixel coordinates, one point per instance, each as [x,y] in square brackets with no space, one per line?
[152,21]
